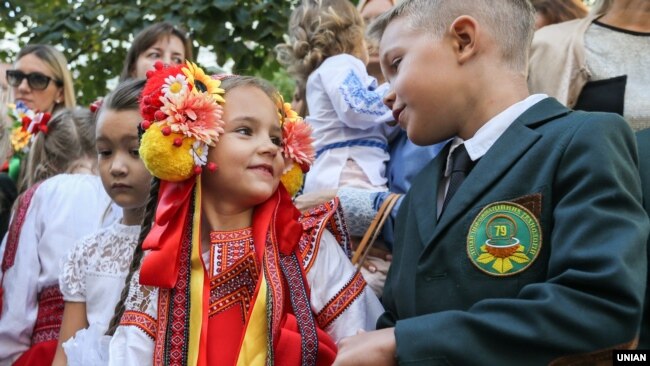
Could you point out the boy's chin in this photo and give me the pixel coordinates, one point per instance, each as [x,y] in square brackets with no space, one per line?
[421,139]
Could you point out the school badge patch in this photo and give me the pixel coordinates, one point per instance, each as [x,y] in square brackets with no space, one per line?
[504,239]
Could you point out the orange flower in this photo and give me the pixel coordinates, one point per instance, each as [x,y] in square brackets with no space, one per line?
[298,143]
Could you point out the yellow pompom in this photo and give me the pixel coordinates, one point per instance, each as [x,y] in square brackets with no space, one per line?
[162,158]
[292,179]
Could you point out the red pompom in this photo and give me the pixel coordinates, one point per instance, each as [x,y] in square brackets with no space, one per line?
[160,116]
[198,170]
[166,130]
[178,142]
[26,120]
[146,100]
[212,166]
[145,124]
[159,65]
[149,74]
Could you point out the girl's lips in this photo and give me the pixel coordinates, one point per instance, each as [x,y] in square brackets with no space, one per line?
[120,185]
[263,167]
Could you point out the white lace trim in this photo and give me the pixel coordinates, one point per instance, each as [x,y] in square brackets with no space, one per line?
[105,253]
[142,298]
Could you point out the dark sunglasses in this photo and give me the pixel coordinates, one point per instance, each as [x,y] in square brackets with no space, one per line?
[36,80]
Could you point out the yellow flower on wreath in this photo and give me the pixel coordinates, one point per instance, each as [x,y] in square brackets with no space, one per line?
[202,83]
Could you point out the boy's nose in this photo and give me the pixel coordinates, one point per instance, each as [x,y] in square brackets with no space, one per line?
[389,98]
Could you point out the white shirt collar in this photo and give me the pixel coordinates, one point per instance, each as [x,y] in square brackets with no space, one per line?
[490,132]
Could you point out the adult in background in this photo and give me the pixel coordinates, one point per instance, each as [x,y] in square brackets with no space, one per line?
[598,63]
[158,42]
[549,12]
[40,78]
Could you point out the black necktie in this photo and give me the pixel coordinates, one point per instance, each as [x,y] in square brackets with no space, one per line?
[461,164]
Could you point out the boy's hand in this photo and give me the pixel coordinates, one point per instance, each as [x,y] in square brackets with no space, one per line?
[374,348]
[310,200]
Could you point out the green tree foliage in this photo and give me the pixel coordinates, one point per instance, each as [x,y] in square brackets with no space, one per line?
[95,34]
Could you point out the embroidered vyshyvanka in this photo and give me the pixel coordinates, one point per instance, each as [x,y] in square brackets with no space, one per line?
[281,292]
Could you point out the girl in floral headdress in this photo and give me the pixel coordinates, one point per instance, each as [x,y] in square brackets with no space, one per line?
[230,273]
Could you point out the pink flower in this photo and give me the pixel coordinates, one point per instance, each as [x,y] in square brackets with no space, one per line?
[298,143]
[194,115]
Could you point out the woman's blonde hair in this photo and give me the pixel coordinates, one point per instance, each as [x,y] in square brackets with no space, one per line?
[319,29]
[69,138]
[58,65]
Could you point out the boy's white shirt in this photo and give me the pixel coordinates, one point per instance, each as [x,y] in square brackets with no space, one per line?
[64,209]
[330,272]
[484,138]
[346,104]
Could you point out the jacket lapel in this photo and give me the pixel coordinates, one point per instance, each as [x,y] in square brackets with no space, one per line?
[426,208]
[494,165]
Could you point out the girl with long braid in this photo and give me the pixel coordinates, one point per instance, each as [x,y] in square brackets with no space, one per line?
[94,271]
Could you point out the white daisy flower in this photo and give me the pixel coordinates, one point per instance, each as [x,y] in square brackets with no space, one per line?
[175,86]
[199,152]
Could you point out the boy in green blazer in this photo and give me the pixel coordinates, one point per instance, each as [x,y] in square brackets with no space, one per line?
[524,241]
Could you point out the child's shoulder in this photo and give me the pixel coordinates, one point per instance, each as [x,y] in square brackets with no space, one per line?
[327,216]
[82,185]
[342,61]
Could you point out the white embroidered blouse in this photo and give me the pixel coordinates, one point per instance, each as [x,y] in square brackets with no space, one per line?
[64,209]
[95,270]
[346,105]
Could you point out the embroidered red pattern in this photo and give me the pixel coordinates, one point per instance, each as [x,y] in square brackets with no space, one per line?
[15,228]
[301,305]
[228,247]
[49,316]
[339,303]
[163,308]
[275,287]
[235,287]
[175,352]
[140,320]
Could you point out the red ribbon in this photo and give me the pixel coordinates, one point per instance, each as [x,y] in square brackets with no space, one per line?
[37,124]
[161,266]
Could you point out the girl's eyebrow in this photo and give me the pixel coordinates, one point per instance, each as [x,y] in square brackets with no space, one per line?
[275,128]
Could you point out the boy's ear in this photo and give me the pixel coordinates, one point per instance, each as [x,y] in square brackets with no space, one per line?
[463,32]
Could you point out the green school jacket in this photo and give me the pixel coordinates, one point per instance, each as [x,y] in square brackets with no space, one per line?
[643,140]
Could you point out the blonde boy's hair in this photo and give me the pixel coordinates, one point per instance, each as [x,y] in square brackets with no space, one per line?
[511,22]
[319,29]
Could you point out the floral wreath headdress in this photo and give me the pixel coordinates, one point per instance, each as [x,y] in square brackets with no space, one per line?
[26,125]
[182,108]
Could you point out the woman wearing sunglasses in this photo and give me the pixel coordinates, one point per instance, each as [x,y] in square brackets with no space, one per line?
[40,78]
